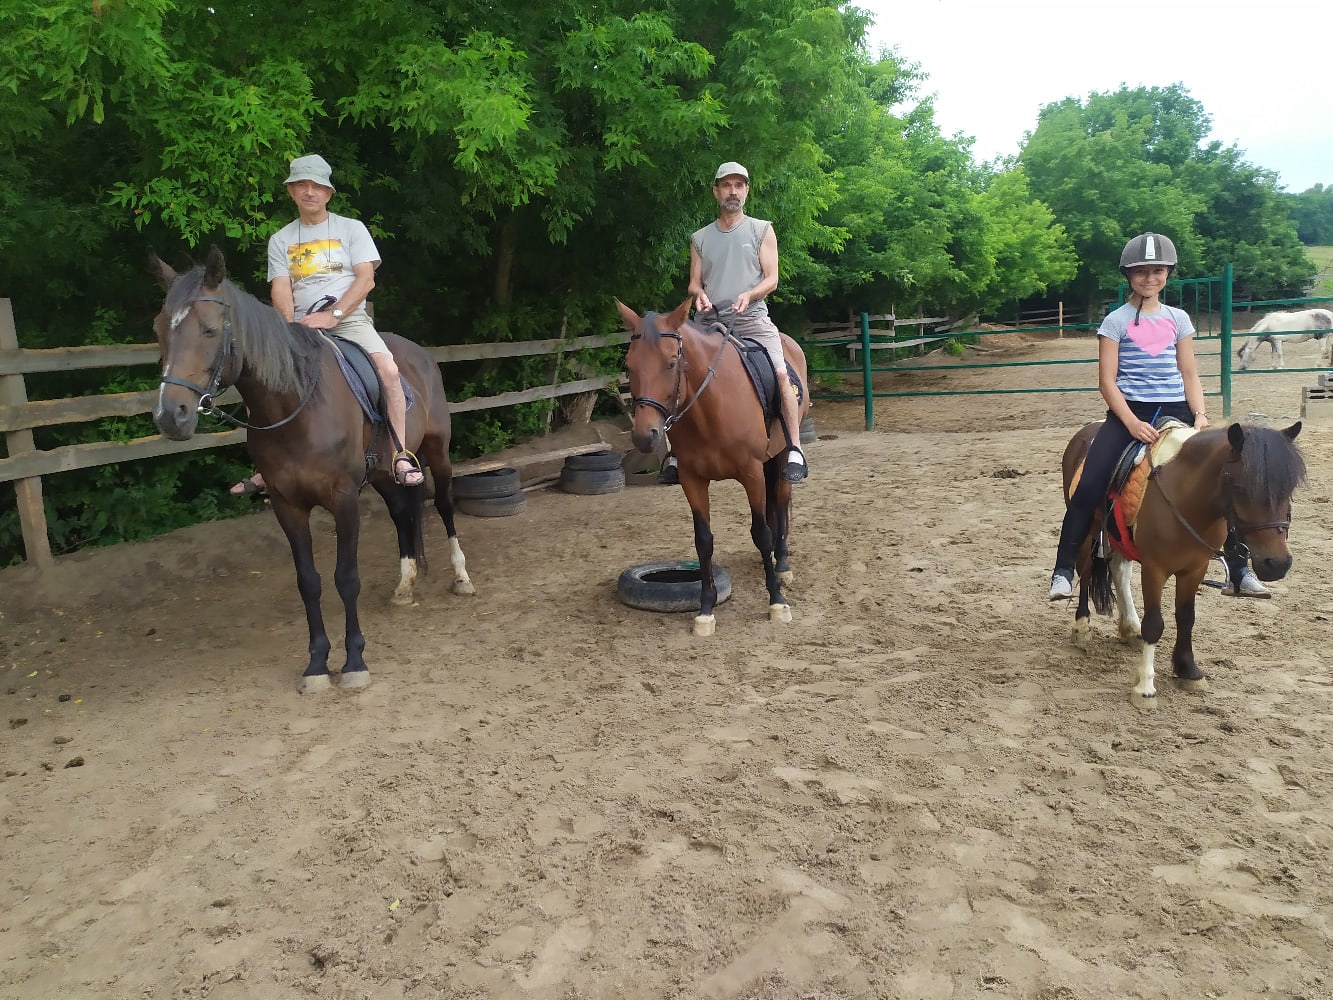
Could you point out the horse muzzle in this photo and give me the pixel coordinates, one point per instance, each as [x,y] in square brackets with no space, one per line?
[647,439]
[176,421]
[1270,568]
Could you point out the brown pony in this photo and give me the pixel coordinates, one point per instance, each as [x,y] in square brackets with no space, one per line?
[1240,478]
[691,381]
[308,437]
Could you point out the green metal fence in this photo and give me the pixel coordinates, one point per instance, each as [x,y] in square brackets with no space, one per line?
[1209,299]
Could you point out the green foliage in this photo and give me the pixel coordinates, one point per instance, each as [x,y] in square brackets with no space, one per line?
[520,166]
[1312,212]
[1132,161]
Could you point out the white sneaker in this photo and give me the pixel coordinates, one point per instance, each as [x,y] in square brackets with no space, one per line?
[1249,586]
[1062,585]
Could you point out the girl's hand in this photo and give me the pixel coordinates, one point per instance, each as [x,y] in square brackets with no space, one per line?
[1200,421]
[1144,431]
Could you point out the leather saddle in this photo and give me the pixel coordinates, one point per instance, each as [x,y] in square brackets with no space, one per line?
[1129,481]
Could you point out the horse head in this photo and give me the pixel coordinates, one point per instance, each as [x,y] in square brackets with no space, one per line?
[194,330]
[656,366]
[1260,474]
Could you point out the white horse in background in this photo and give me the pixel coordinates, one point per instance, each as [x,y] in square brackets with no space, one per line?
[1278,322]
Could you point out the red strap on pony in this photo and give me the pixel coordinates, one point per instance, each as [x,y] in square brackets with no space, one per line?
[1122,538]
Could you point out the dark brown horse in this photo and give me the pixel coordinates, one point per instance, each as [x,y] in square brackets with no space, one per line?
[691,380]
[1241,479]
[308,436]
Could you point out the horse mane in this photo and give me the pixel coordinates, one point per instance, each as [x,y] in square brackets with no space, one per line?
[652,334]
[282,356]
[1271,466]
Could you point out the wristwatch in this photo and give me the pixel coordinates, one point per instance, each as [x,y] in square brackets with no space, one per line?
[338,314]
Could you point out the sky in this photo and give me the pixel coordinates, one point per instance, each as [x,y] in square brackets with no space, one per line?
[1263,71]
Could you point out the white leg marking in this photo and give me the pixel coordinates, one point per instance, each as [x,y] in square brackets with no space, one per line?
[779,613]
[462,582]
[407,578]
[704,624]
[1145,692]
[1122,582]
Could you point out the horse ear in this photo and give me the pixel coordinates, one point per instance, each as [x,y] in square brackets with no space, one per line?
[633,321]
[215,268]
[1236,435]
[678,316]
[160,270]
[1292,431]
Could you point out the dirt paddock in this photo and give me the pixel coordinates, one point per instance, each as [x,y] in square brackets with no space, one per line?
[917,789]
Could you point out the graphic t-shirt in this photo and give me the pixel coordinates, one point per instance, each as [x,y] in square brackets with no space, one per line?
[319,259]
[1147,370]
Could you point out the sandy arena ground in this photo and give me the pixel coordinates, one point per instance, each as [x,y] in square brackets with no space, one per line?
[917,789]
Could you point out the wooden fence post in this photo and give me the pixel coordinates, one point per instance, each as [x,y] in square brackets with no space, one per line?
[32,514]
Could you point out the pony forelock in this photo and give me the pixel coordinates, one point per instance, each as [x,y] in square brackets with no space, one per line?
[1271,466]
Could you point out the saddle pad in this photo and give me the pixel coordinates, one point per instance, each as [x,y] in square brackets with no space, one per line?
[759,366]
[1167,446]
[1131,472]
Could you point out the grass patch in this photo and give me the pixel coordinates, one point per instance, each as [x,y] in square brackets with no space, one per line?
[1323,281]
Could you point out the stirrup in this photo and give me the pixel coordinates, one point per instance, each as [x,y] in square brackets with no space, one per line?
[401,477]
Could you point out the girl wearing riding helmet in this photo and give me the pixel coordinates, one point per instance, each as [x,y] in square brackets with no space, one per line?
[1145,370]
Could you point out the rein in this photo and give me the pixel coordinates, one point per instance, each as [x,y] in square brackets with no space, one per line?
[224,358]
[1234,523]
[676,412]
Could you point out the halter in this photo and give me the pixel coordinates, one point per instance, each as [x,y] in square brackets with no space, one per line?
[1236,526]
[224,358]
[676,412]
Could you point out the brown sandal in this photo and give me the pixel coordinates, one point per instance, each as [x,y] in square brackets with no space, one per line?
[405,477]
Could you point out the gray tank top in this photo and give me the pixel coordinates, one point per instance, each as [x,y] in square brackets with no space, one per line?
[731,262]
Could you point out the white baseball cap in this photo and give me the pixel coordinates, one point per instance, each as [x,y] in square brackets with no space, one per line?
[729,168]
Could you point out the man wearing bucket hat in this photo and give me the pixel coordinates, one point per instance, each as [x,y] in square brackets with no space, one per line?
[321,267]
[733,267]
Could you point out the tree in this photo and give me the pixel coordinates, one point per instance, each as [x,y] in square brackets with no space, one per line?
[1312,212]
[1131,161]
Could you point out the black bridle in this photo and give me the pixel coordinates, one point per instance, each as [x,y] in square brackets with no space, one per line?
[1234,523]
[226,354]
[673,415]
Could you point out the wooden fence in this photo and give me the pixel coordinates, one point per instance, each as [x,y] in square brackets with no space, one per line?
[26,464]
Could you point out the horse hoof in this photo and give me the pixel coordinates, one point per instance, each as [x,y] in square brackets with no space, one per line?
[464,587]
[314,684]
[1143,702]
[704,625]
[779,613]
[354,680]
[401,599]
[785,577]
[1196,684]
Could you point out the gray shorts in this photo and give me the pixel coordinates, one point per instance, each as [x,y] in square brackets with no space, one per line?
[361,331]
[762,329]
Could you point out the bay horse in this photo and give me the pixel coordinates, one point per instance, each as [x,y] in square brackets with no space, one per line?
[1320,320]
[308,436]
[692,381]
[1240,478]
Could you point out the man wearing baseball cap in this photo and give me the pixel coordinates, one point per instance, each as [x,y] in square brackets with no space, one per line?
[321,267]
[733,266]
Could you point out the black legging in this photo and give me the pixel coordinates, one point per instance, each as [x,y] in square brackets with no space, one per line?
[1103,454]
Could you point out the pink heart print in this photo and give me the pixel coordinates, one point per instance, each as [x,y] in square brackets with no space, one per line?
[1153,333]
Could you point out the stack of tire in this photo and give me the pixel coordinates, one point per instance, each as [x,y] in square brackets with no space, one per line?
[808,430]
[496,493]
[594,473]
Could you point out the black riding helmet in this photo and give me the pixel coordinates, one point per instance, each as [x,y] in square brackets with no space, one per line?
[1148,248]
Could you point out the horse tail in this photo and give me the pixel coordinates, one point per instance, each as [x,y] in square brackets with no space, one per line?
[1098,582]
[419,505]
